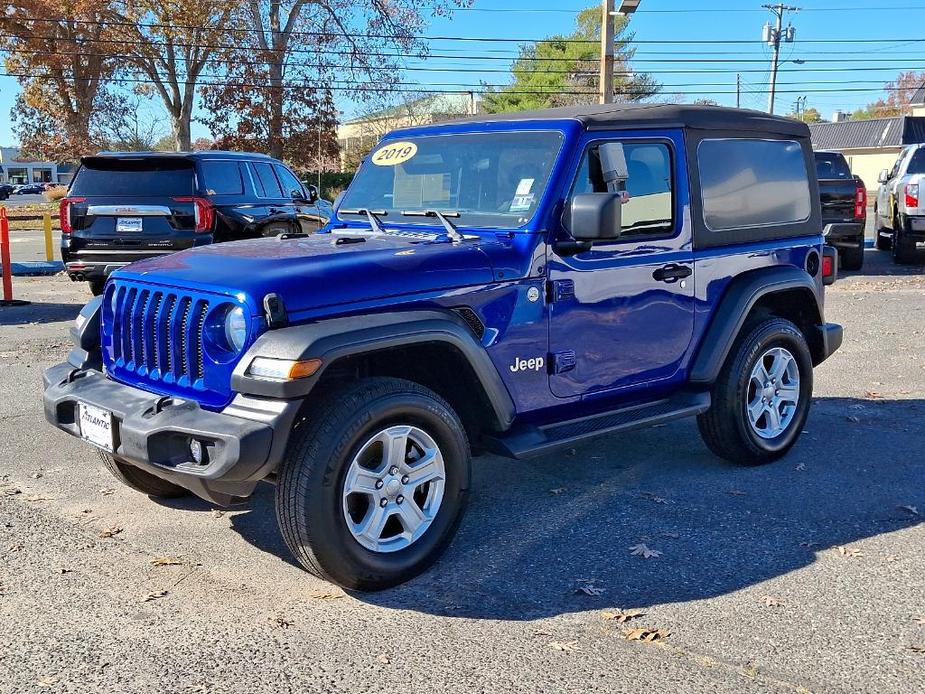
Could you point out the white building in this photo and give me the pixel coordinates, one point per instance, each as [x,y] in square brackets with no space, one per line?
[16,171]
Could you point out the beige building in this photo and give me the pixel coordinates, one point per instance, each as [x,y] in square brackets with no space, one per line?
[358,135]
[872,145]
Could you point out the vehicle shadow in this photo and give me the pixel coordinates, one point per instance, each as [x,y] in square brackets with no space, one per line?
[880,263]
[39,312]
[537,531]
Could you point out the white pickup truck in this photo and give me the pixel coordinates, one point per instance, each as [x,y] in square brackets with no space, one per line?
[899,211]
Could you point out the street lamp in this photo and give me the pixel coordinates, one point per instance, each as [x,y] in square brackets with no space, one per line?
[627,7]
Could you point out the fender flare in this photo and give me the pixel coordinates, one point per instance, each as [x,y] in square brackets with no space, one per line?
[331,340]
[740,297]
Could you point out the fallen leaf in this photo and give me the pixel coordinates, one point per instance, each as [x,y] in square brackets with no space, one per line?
[36,475]
[751,672]
[165,561]
[800,467]
[325,595]
[39,497]
[646,634]
[737,492]
[47,680]
[15,547]
[542,632]
[11,491]
[216,513]
[154,596]
[621,616]
[849,551]
[557,491]
[280,621]
[564,646]
[916,648]
[770,601]
[853,419]
[111,531]
[873,395]
[671,536]
[911,509]
[107,491]
[649,496]
[586,586]
[383,658]
[63,570]
[641,550]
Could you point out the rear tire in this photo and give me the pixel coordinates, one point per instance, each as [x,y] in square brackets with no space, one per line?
[852,258]
[341,494]
[96,286]
[142,481]
[727,427]
[904,251]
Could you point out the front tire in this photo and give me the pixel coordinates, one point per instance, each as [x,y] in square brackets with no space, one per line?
[762,397]
[374,484]
[142,481]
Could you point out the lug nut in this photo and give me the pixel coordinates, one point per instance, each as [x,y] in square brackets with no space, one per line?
[393,470]
[384,502]
[379,484]
[399,499]
[404,479]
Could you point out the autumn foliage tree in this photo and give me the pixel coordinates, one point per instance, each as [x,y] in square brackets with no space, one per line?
[59,53]
[292,59]
[899,94]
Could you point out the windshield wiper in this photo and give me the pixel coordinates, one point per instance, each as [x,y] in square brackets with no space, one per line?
[451,231]
[371,215]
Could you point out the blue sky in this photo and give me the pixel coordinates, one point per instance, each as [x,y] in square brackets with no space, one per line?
[682,68]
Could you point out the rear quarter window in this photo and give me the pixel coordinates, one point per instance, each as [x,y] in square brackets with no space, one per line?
[265,179]
[134,178]
[748,183]
[221,177]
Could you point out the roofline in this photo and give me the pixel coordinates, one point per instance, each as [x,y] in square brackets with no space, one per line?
[181,155]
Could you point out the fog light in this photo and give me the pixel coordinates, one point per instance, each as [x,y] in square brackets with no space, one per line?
[195,450]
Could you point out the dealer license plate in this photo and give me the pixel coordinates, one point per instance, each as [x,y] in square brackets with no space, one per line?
[128,223]
[95,425]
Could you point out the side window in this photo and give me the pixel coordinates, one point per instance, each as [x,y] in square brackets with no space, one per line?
[291,185]
[753,183]
[917,161]
[221,177]
[649,211]
[267,185]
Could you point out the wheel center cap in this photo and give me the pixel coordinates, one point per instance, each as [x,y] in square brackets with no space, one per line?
[392,488]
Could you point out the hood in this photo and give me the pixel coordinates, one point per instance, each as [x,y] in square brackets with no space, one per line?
[321,270]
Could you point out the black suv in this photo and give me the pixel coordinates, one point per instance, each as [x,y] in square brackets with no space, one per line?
[122,207]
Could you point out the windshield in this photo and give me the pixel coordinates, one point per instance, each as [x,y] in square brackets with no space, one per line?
[491,179]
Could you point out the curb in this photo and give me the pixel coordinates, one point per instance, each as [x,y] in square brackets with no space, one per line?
[41,267]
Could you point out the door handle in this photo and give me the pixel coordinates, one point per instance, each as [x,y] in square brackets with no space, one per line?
[672,273]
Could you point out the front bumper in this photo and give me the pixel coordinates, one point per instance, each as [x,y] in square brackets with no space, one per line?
[244,443]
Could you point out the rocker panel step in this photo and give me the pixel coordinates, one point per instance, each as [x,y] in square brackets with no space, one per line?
[528,441]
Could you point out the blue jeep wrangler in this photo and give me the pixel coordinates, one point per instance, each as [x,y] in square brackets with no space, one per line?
[511,284]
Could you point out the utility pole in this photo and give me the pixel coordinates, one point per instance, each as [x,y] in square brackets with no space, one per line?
[738,90]
[773,36]
[606,85]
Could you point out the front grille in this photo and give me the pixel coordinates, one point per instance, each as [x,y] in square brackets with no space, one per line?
[155,338]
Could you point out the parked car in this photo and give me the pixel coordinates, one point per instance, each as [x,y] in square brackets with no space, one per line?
[515,283]
[899,210]
[6,190]
[844,207]
[29,189]
[123,207]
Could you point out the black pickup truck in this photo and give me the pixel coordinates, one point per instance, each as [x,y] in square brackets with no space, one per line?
[844,207]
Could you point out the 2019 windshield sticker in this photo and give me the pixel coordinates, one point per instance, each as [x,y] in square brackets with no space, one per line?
[394,154]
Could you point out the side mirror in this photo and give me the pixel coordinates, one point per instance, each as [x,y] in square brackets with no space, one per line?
[312,194]
[595,216]
[884,176]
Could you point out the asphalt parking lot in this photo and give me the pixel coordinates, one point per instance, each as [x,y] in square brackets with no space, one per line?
[805,575]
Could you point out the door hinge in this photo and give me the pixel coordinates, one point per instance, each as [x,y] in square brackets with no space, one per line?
[561,290]
[563,361]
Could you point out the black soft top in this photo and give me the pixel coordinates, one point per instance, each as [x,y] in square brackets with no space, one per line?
[103,157]
[616,116]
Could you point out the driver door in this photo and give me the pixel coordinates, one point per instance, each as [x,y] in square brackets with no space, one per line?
[622,314]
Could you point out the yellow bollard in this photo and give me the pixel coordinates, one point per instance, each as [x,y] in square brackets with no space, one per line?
[49,251]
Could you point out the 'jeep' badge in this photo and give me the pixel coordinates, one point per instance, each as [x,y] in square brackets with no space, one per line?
[535,364]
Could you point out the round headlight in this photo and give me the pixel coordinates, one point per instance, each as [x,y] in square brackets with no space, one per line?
[235,328]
